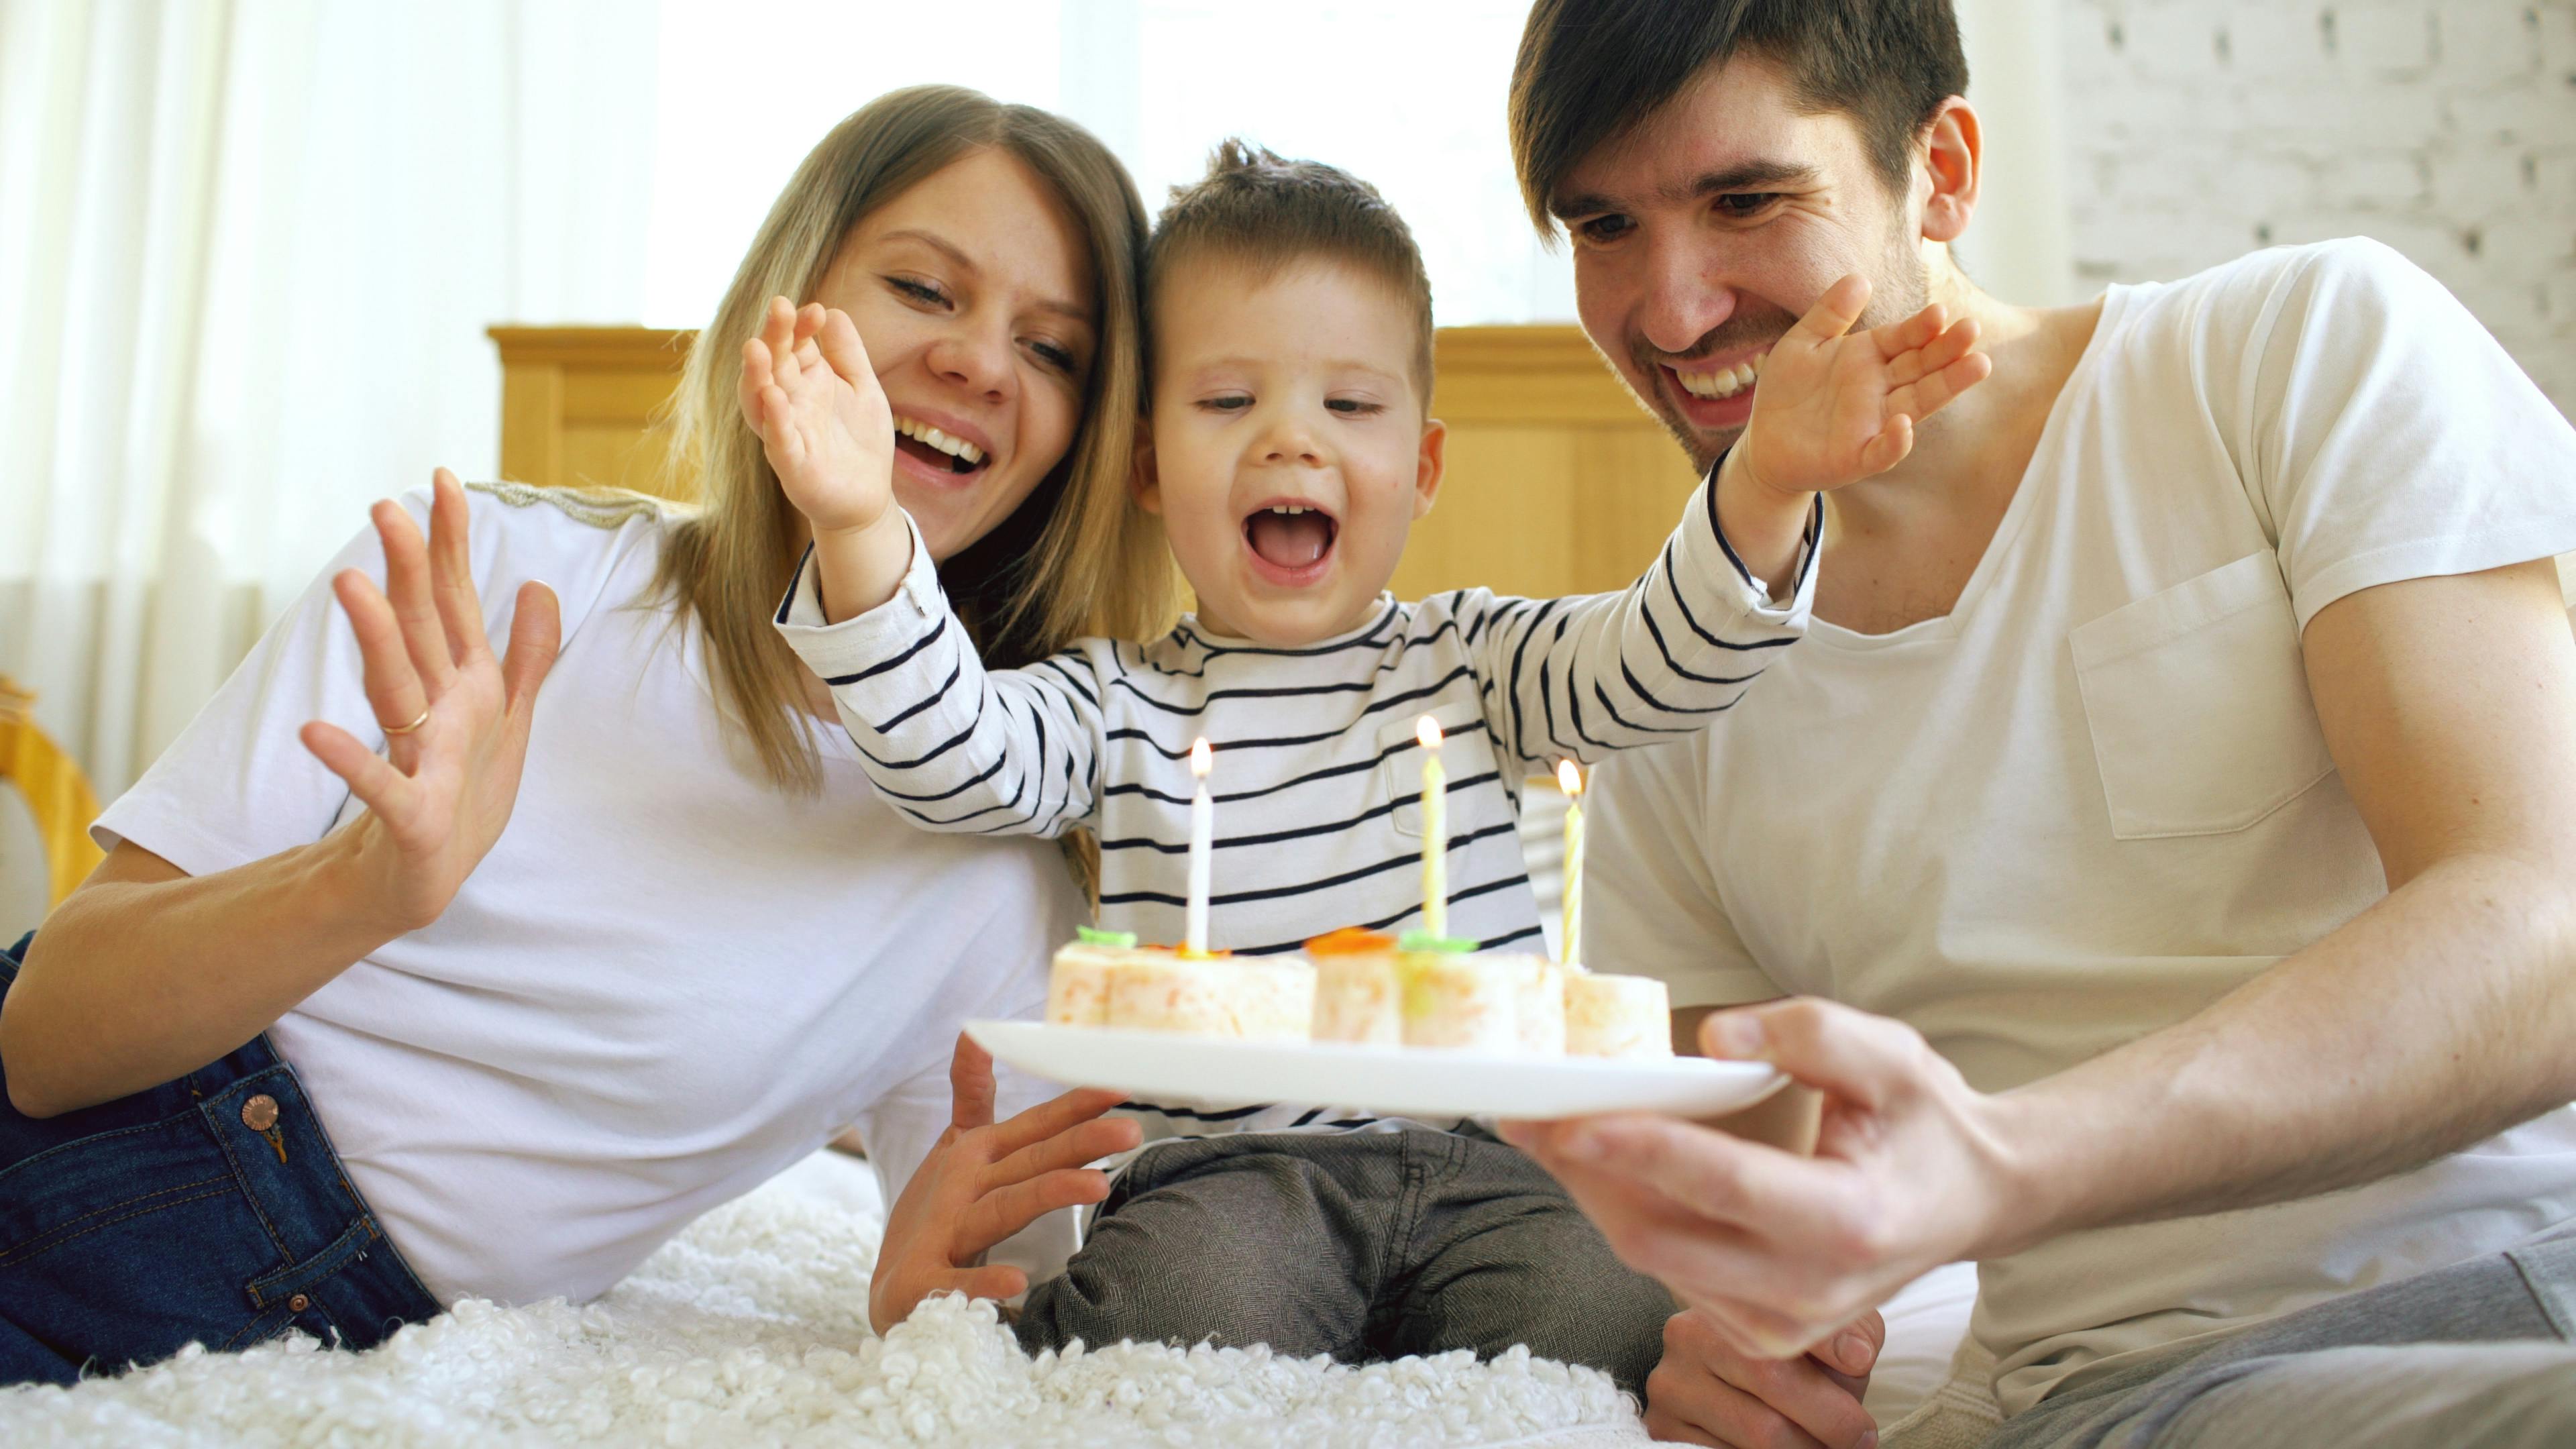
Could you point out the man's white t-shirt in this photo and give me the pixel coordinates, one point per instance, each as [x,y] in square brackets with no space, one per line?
[2095,796]
[667,981]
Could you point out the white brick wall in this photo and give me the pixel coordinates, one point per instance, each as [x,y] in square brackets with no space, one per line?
[2200,129]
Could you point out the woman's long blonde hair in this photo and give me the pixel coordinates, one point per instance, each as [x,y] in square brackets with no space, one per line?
[1077,557]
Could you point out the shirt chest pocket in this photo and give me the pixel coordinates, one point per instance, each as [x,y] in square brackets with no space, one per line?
[1464,753]
[2197,701]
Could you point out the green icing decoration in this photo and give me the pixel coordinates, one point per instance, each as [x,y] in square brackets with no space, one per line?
[1114,940]
[1420,940]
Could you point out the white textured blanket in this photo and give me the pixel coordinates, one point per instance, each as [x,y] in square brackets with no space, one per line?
[751,1328]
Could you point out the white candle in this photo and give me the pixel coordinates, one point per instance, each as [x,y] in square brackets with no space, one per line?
[1435,829]
[1570,780]
[1202,845]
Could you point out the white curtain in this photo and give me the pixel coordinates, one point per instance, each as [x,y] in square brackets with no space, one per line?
[247,251]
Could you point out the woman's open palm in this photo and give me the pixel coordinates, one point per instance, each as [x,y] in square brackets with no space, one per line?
[810,392]
[984,1181]
[455,718]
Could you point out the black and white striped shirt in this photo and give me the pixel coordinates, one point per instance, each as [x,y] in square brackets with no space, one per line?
[1317,775]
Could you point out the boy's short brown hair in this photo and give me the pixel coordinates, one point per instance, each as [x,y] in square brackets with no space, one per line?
[1266,213]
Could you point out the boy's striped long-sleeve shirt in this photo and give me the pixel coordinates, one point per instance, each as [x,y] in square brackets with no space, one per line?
[1317,775]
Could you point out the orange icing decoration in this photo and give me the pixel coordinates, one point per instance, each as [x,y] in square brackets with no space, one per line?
[1350,941]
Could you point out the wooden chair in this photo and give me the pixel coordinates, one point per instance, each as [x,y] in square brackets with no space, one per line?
[57,793]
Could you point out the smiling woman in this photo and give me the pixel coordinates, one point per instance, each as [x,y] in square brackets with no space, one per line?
[902,219]
[508,908]
[983,369]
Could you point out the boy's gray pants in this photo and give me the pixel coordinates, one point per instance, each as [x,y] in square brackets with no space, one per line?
[2479,1354]
[1363,1246]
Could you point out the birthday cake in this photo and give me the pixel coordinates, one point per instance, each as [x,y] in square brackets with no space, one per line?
[1360,987]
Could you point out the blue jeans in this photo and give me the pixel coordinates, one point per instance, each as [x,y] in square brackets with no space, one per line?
[209,1210]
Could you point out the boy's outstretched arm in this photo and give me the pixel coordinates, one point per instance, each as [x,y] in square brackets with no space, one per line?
[949,745]
[810,393]
[952,746]
[1580,677]
[1831,407]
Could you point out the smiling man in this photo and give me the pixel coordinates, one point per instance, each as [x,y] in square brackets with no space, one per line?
[2167,836]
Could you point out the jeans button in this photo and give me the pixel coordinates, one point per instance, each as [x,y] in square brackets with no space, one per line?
[260,1113]
[298,1303]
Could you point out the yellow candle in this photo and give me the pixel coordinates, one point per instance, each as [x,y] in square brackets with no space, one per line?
[1570,780]
[1435,829]
[1194,932]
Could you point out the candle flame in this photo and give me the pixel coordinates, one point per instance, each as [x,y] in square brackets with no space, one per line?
[1427,730]
[1569,779]
[1200,758]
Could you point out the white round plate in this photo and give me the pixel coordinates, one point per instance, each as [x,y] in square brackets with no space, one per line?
[1400,1081]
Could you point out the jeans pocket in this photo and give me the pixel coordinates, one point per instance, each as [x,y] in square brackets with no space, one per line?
[124,1245]
[61,1198]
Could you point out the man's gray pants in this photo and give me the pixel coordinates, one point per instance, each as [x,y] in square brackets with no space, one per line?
[2480,1354]
[1363,1246]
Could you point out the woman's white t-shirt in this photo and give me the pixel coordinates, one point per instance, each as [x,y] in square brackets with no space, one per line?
[2095,797]
[667,981]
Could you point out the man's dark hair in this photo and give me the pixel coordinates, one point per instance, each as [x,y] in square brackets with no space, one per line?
[1590,70]
[1264,213]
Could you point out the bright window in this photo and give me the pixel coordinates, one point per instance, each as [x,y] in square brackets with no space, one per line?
[1409,97]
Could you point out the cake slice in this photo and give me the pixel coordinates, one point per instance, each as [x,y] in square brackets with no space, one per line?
[1538,991]
[1617,1016]
[1274,998]
[1358,996]
[1078,983]
[1454,998]
[1155,988]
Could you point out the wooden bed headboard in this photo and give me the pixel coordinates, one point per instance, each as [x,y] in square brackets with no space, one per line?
[1558,483]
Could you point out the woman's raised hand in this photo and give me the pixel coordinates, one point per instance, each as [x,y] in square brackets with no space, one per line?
[985,1181]
[810,393]
[455,718]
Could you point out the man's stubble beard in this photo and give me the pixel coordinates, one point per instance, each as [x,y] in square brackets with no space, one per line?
[1902,287]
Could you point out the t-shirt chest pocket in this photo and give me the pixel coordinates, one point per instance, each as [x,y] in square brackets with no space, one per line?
[2197,700]
[1464,751]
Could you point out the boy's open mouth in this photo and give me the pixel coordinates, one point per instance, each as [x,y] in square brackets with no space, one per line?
[938,449]
[1292,538]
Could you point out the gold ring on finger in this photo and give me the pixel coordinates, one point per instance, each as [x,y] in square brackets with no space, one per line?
[415,724]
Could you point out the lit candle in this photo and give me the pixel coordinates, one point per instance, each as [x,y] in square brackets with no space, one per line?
[1202,845]
[1570,780]
[1435,829]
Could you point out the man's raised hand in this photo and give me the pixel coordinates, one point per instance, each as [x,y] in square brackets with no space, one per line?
[1833,406]
[810,393]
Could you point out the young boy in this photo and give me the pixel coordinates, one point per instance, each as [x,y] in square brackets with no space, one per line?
[1289,452]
